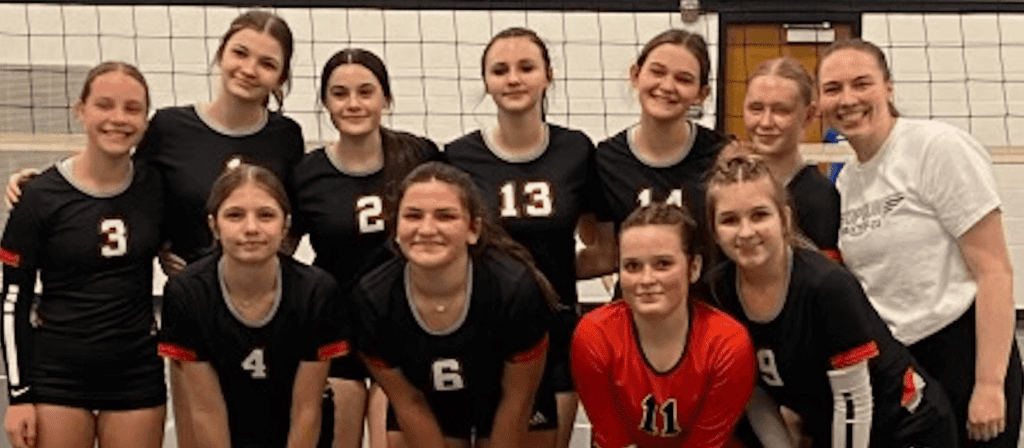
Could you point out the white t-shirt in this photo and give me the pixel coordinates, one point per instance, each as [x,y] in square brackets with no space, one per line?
[901,215]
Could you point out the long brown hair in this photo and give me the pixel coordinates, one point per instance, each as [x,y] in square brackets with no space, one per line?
[692,42]
[401,150]
[492,235]
[274,26]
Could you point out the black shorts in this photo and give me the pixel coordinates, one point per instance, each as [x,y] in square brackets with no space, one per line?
[121,373]
[460,423]
[948,356]
[929,425]
[349,367]
[556,369]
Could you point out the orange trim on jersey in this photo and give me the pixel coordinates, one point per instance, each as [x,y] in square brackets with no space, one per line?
[178,352]
[912,392]
[833,254]
[531,353]
[10,258]
[376,363]
[332,350]
[855,355]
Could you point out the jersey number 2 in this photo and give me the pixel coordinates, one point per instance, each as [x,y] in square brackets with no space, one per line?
[669,414]
[254,364]
[115,238]
[539,202]
[370,209]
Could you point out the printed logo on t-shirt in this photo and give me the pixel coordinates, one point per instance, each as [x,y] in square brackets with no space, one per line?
[860,220]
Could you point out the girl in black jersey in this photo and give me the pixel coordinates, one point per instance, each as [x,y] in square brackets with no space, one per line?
[778,106]
[252,330]
[340,192]
[455,331]
[539,177]
[190,145]
[81,360]
[664,156]
[821,348]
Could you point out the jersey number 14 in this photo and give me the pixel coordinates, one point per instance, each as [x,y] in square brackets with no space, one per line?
[675,197]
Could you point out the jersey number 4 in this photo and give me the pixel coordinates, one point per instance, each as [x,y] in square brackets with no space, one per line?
[669,414]
[254,364]
[538,200]
[115,238]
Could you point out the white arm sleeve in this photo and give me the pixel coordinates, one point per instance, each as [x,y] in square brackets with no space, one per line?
[764,416]
[853,406]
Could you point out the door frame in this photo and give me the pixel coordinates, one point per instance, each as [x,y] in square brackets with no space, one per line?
[731,17]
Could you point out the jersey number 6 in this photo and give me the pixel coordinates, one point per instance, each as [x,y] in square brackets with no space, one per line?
[115,238]
[447,375]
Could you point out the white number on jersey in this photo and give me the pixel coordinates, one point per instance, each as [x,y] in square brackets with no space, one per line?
[447,375]
[115,234]
[766,364]
[254,364]
[675,197]
[669,416]
[370,210]
[538,200]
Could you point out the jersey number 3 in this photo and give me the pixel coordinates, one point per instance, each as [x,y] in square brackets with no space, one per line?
[669,414]
[115,238]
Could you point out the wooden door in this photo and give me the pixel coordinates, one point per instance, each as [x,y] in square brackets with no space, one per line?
[749,44]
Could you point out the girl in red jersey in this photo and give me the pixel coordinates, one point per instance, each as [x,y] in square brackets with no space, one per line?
[81,360]
[659,368]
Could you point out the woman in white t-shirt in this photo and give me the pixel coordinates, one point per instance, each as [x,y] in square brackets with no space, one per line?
[921,227]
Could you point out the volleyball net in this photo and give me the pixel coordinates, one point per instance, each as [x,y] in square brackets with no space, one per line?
[965,69]
[433,57]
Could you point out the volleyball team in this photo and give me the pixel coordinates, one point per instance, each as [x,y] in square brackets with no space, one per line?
[752,290]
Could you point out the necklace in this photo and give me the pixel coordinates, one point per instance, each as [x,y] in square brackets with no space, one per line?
[440,308]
